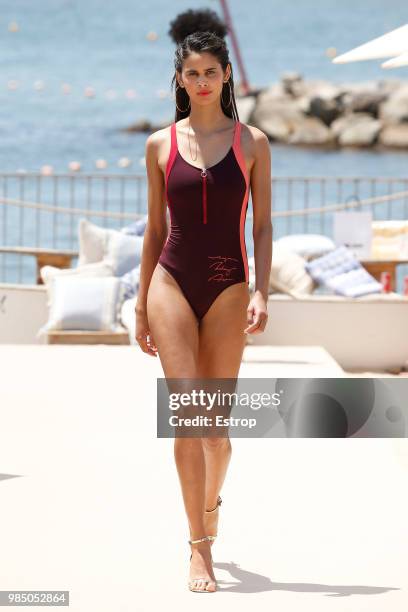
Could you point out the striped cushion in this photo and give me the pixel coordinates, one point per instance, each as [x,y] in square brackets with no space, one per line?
[341,272]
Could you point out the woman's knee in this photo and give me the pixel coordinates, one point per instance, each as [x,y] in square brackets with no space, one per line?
[216,443]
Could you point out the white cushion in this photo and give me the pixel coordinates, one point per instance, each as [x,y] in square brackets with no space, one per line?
[341,271]
[131,281]
[137,228]
[307,245]
[390,239]
[49,273]
[288,273]
[92,242]
[122,251]
[81,303]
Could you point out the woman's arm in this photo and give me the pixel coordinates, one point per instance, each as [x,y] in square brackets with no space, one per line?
[262,230]
[156,229]
[261,203]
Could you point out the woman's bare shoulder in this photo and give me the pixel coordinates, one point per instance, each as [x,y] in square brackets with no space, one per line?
[253,134]
[158,145]
[159,137]
[255,143]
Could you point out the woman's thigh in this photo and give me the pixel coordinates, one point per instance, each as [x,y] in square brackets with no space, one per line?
[173,325]
[221,333]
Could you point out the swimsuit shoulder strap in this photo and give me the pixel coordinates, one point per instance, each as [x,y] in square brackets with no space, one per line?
[173,149]
[173,137]
[237,134]
[238,151]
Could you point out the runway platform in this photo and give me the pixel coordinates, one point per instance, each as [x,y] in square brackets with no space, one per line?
[90,498]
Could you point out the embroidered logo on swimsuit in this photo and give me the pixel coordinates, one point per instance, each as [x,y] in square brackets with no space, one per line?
[221,266]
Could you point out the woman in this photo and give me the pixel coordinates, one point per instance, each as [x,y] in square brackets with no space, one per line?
[194,306]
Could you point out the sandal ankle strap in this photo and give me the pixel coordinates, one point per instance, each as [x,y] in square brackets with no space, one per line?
[219,502]
[204,539]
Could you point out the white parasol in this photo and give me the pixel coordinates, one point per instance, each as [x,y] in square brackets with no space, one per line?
[394,44]
[396,62]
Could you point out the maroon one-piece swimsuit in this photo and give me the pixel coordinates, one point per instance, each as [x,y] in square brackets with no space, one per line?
[205,250]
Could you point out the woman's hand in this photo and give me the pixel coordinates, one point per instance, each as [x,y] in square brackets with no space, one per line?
[143,336]
[257,315]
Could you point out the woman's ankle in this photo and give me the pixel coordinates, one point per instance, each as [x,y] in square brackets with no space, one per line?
[201,547]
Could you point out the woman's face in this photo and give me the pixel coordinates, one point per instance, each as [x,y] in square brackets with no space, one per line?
[203,77]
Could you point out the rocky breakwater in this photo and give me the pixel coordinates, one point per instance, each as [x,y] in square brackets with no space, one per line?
[321,113]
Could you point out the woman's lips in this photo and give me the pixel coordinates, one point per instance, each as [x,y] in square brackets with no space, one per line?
[204,93]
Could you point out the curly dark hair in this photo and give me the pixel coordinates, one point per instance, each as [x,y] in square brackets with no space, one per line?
[201,32]
[203,20]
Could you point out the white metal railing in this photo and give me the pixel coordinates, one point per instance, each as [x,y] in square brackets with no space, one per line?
[41,211]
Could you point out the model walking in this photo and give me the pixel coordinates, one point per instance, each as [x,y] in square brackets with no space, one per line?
[194,306]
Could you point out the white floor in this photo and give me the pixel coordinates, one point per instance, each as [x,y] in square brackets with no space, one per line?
[95,505]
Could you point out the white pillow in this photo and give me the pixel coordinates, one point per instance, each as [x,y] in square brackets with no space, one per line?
[92,242]
[85,303]
[389,239]
[49,273]
[307,245]
[137,228]
[122,251]
[131,281]
[288,272]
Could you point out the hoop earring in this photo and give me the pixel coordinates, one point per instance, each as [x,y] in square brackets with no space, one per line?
[222,99]
[179,109]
